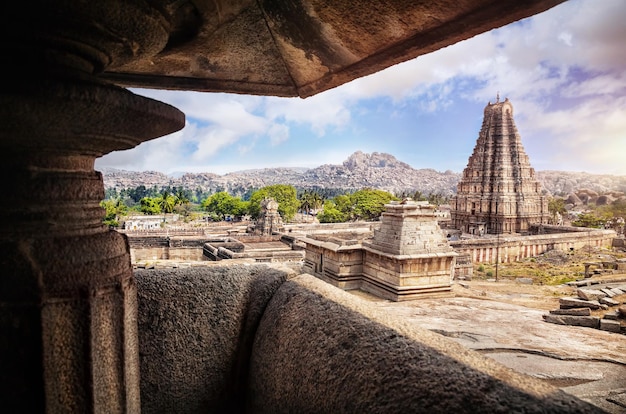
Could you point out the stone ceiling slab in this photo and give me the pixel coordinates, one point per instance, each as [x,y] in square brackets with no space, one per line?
[303,47]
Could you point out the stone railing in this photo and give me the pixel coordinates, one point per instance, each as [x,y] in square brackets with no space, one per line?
[252,339]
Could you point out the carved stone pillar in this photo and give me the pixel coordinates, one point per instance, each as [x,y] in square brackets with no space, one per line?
[68,329]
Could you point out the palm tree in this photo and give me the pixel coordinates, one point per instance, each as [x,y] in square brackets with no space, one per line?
[181,197]
[167,202]
[317,201]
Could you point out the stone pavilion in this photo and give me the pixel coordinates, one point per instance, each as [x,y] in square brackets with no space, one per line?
[498,192]
[408,257]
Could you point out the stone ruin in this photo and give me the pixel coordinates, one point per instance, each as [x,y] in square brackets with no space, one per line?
[600,304]
[408,257]
[269,221]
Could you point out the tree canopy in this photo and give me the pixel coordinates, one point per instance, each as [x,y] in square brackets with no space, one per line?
[285,196]
[113,209]
[369,204]
[366,204]
[331,214]
[223,204]
[150,206]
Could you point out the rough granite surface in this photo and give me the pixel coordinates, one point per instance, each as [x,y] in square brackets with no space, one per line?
[196,328]
[321,350]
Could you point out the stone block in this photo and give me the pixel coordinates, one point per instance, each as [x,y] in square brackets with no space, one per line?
[608,292]
[610,325]
[568,303]
[611,315]
[524,280]
[590,294]
[609,302]
[572,311]
[622,311]
[617,291]
[586,321]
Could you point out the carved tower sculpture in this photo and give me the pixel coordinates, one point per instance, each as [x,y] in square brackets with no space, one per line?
[498,192]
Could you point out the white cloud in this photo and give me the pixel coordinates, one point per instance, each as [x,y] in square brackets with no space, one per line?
[319,112]
[610,84]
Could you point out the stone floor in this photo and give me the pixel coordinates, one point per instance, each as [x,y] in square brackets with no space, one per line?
[588,363]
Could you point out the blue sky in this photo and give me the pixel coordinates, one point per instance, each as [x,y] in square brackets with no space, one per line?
[564,71]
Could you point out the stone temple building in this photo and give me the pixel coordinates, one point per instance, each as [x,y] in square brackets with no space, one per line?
[407,258]
[498,192]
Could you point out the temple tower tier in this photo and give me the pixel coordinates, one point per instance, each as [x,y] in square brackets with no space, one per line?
[498,192]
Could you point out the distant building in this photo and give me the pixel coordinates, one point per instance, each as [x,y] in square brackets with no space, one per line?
[153,222]
[498,192]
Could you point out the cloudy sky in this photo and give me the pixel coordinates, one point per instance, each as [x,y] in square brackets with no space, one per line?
[563,70]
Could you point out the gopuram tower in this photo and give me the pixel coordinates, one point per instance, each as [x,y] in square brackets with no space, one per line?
[498,192]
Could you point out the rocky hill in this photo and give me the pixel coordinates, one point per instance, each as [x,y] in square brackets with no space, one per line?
[562,183]
[360,170]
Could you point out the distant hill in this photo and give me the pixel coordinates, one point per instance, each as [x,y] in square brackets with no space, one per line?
[376,170]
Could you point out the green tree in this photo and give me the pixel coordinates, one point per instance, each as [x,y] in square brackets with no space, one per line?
[114,209]
[167,202]
[344,204]
[331,214]
[590,220]
[614,209]
[223,204]
[437,199]
[285,196]
[150,206]
[138,193]
[556,206]
[310,200]
[418,196]
[182,196]
[368,204]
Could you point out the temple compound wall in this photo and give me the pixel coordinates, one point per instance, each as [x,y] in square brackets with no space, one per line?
[408,257]
[498,192]
[512,248]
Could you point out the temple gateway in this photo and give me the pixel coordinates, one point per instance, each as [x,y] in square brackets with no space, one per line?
[498,192]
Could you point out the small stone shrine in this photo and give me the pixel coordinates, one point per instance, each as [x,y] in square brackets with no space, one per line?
[269,221]
[408,257]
